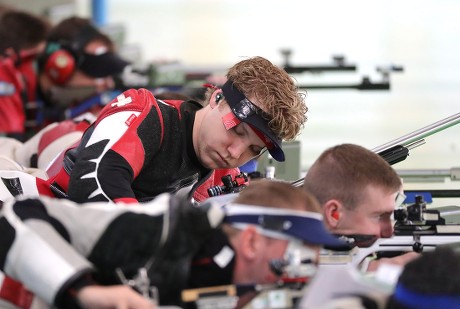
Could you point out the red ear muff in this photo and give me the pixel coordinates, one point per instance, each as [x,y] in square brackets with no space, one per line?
[59,66]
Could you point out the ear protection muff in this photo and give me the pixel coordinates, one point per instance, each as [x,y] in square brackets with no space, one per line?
[61,59]
[60,66]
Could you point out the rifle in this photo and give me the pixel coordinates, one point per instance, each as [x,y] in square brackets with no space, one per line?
[276,295]
[398,149]
[416,229]
[339,64]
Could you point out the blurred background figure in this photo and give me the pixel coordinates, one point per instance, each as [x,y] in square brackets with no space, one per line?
[79,61]
[22,39]
[49,74]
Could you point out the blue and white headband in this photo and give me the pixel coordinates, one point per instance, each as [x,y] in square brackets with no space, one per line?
[419,300]
[283,223]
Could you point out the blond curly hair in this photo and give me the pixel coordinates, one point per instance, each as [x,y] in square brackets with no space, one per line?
[276,93]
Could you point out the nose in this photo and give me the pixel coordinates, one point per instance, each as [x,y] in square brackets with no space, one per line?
[386,229]
[239,149]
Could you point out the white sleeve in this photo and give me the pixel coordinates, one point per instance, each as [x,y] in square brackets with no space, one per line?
[40,258]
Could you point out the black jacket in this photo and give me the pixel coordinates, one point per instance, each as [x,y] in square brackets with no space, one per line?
[138,148]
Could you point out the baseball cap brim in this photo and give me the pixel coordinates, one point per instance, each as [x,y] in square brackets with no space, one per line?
[103,65]
[248,112]
[302,225]
[316,233]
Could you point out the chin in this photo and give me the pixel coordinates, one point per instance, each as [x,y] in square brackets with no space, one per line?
[209,164]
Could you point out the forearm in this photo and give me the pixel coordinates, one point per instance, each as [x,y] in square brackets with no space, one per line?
[108,297]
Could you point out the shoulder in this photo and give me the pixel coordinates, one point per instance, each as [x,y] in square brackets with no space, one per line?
[133,100]
[180,106]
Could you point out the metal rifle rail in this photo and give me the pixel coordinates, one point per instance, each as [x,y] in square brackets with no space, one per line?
[365,84]
[390,247]
[411,140]
[422,133]
[339,64]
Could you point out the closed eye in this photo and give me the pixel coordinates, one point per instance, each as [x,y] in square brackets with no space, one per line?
[258,150]
[383,216]
[239,130]
[242,130]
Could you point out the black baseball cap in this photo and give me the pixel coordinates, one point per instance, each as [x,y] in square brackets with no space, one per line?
[248,112]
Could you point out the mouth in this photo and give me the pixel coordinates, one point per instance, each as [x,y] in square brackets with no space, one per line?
[223,162]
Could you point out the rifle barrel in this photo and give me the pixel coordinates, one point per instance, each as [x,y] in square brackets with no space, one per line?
[413,138]
[421,133]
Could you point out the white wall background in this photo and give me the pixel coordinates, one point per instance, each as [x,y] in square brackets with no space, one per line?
[423,36]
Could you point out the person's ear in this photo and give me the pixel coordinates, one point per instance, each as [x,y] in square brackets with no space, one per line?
[216,97]
[332,211]
[249,243]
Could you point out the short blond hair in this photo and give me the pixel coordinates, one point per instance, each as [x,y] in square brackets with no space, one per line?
[278,194]
[342,172]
